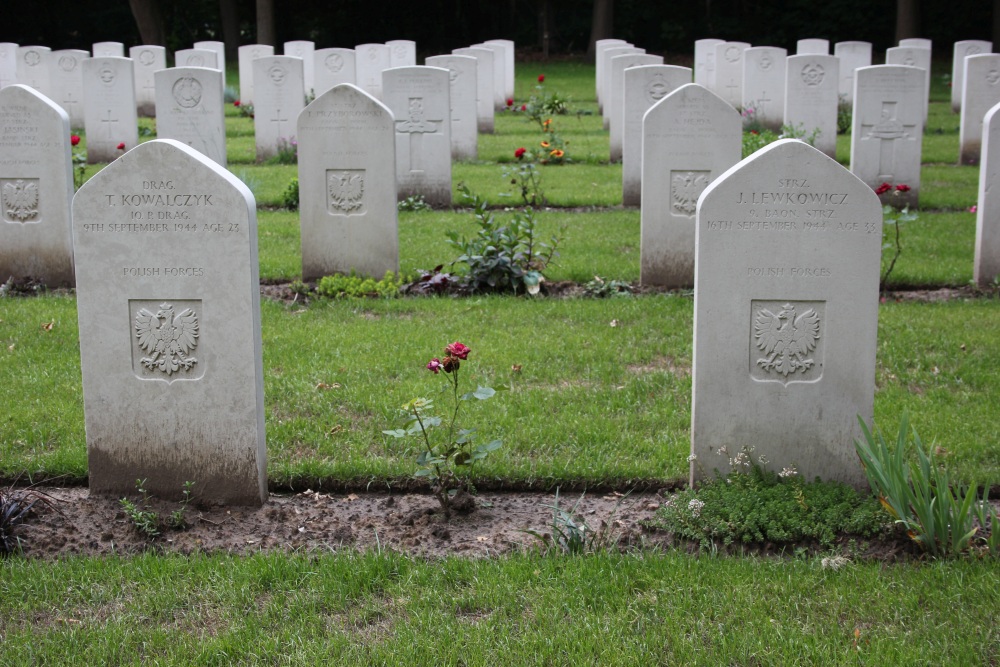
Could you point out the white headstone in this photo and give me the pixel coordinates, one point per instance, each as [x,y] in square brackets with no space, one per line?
[644,87]
[986,270]
[304,49]
[247,55]
[729,72]
[370,60]
[220,53]
[278,99]
[508,69]
[109,50]
[605,81]
[484,86]
[33,67]
[600,46]
[402,53]
[811,99]
[913,56]
[616,98]
[764,86]
[919,42]
[887,130]
[704,62]
[66,83]
[982,92]
[196,58]
[8,64]
[771,275]
[146,60]
[109,108]
[418,98]
[808,47]
[347,185]
[690,138]
[464,86]
[852,56]
[190,108]
[333,67]
[36,188]
[499,73]
[168,300]
[970,47]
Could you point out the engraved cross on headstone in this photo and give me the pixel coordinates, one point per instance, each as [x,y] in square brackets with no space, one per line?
[109,125]
[887,131]
[416,126]
[732,86]
[279,120]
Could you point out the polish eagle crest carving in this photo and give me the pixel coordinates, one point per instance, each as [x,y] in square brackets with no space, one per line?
[20,200]
[346,191]
[168,338]
[786,339]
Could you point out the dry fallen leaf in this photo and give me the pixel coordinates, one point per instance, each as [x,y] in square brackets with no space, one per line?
[516,368]
[614,323]
[336,429]
[10,348]
[482,538]
[47,326]
[323,385]
[352,496]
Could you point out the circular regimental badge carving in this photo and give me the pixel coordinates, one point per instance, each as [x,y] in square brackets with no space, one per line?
[334,62]
[657,89]
[993,76]
[277,74]
[400,52]
[257,53]
[973,50]
[107,75]
[32,58]
[812,74]
[372,53]
[67,63]
[910,61]
[196,61]
[146,57]
[187,92]
[766,62]
[733,53]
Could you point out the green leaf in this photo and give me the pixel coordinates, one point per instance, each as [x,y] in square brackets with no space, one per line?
[396,433]
[491,446]
[482,393]
[463,458]
[423,472]
[465,435]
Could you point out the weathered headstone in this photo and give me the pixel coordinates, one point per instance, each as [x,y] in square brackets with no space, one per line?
[36,188]
[982,92]
[418,98]
[305,50]
[852,56]
[278,99]
[347,185]
[644,86]
[704,62]
[786,315]
[918,42]
[690,138]
[33,67]
[485,116]
[616,97]
[370,61]
[402,53]
[247,54]
[811,99]
[109,108]
[969,47]
[196,58]
[605,81]
[333,67]
[729,72]
[913,56]
[986,270]
[168,300]
[109,50]
[887,130]
[220,53]
[66,83]
[146,60]
[812,47]
[464,86]
[499,73]
[190,108]
[600,46]
[764,86]
[8,64]
[508,69]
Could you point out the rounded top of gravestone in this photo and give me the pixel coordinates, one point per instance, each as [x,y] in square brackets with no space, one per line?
[692,93]
[341,94]
[17,93]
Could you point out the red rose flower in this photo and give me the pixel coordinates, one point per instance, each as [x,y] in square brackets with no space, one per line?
[519,153]
[510,101]
[74,139]
[902,187]
[236,103]
[541,78]
[121,146]
[524,107]
[754,132]
[456,349]
[434,365]
[882,189]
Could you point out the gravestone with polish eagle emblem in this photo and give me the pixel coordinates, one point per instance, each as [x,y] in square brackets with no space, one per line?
[168,300]
[36,188]
[347,185]
[786,316]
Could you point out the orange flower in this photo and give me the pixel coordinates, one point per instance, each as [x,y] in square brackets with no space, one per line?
[545,144]
[557,153]
[548,121]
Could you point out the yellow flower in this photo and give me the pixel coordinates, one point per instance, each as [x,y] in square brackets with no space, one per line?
[545,144]
[557,153]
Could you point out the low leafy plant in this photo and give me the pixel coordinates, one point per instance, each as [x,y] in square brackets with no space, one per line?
[569,533]
[844,116]
[526,178]
[754,140]
[600,288]
[937,515]
[892,219]
[288,152]
[753,505]
[543,104]
[430,282]
[413,203]
[246,110]
[146,520]
[16,507]
[448,452]
[340,286]
[290,197]
[502,257]
[177,519]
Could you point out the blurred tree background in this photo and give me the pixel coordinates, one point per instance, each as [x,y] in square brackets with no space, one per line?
[555,28]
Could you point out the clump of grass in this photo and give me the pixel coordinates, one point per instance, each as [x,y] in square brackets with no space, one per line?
[16,507]
[341,286]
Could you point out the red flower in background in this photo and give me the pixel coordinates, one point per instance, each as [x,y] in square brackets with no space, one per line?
[457,349]
[519,153]
[902,187]
[541,78]
[882,189]
[74,139]
[236,103]
[524,107]
[121,146]
[510,101]
[434,365]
